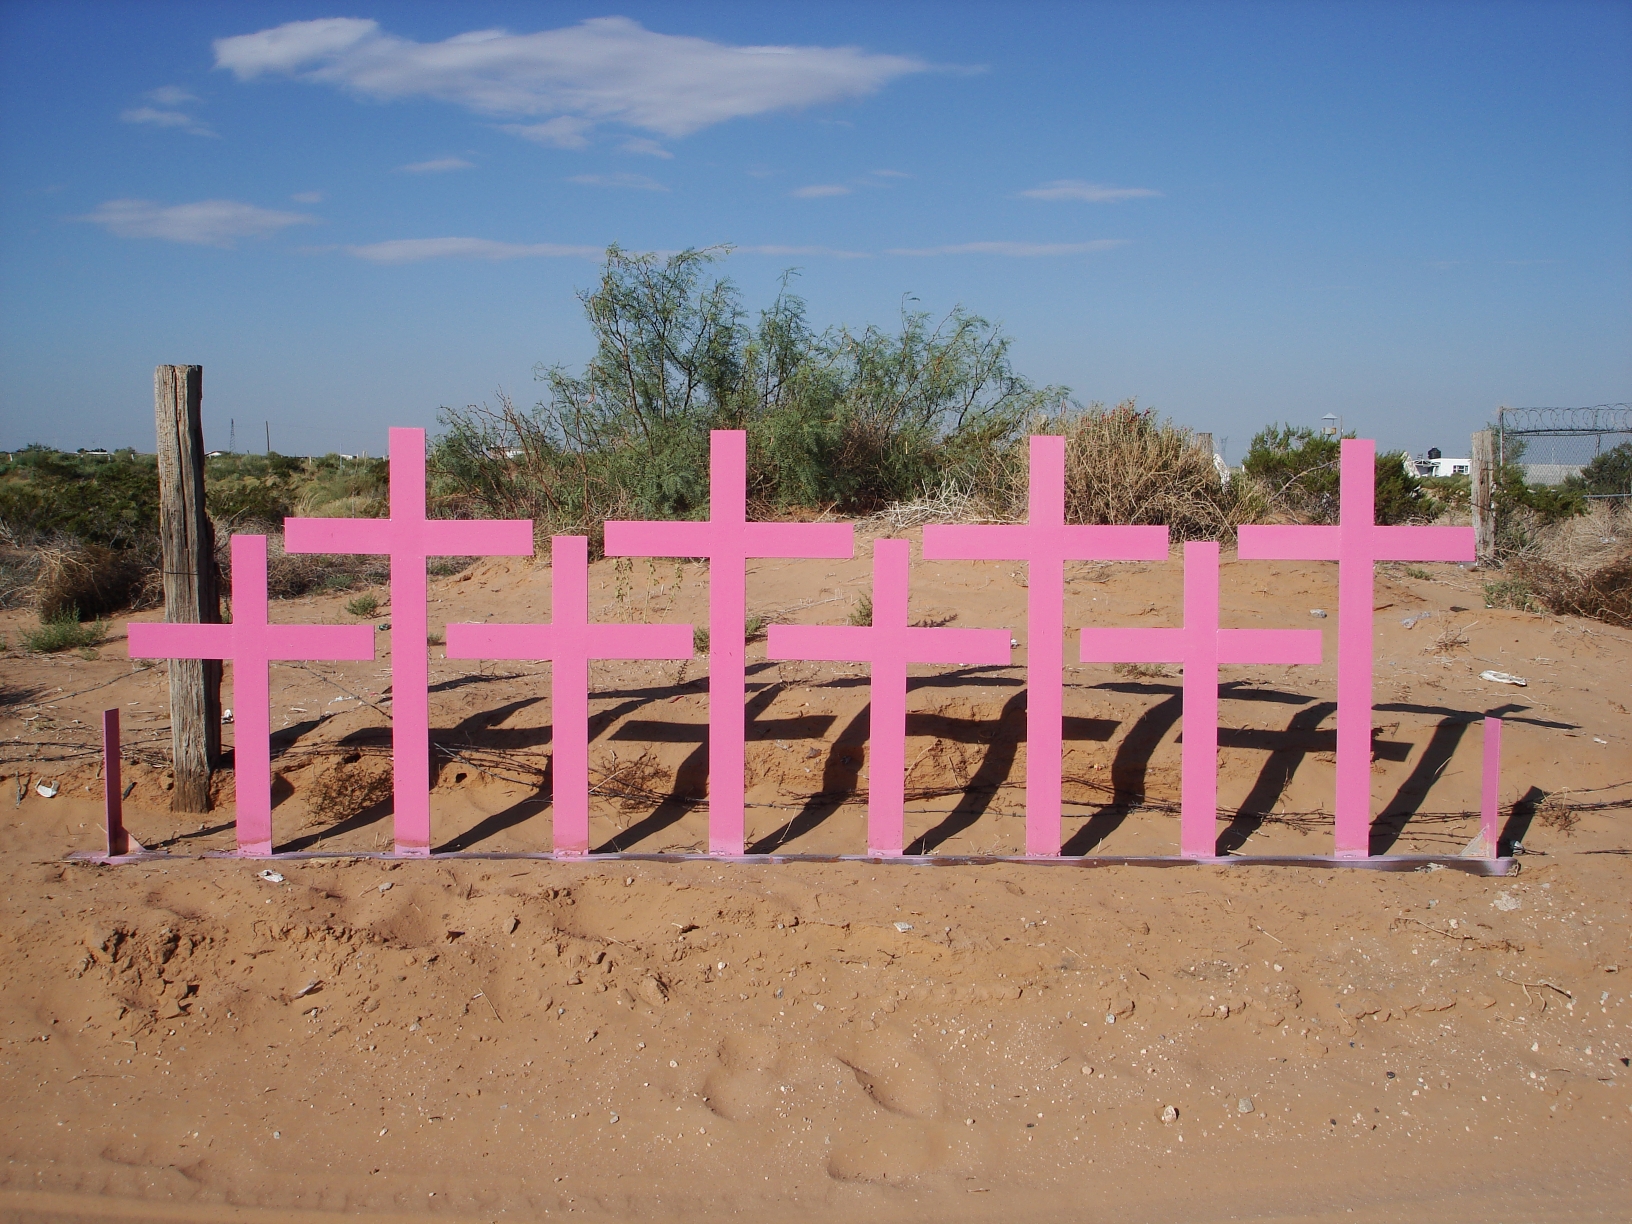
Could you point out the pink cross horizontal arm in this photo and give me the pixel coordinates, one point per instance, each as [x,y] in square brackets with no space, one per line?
[728,540]
[888,644]
[569,642]
[1201,646]
[409,538]
[1045,542]
[1356,544]
[250,644]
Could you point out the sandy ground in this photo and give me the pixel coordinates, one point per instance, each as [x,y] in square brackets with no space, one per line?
[488,1039]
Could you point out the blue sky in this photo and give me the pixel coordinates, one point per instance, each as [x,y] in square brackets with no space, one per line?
[1237,213]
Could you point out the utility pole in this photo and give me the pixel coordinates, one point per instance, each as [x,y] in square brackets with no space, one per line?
[191,585]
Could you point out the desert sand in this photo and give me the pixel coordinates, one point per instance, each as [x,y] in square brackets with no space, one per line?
[489,1038]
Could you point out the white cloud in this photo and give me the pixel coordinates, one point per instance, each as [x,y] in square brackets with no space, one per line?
[605,69]
[438,165]
[894,174]
[563,132]
[820,251]
[307,197]
[171,95]
[817,191]
[648,148]
[154,117]
[208,222]
[413,250]
[1020,250]
[1093,193]
[632,182]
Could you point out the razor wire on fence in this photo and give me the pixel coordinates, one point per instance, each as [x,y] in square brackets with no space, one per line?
[1582,445]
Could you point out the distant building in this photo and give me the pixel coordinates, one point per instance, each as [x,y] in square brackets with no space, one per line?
[1436,465]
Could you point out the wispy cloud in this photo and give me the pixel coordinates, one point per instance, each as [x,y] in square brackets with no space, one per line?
[1093,193]
[605,69]
[816,251]
[889,174]
[817,191]
[1018,250]
[208,222]
[415,250]
[630,182]
[438,165]
[645,147]
[307,197]
[563,132]
[171,95]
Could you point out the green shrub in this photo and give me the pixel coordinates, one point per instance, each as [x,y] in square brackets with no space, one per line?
[1608,474]
[363,605]
[699,639]
[64,631]
[1511,593]
[753,628]
[862,613]
[1300,471]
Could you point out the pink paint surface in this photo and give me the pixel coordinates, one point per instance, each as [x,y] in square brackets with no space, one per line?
[250,644]
[1045,542]
[1356,544]
[569,642]
[888,645]
[1490,800]
[1201,647]
[408,538]
[728,540]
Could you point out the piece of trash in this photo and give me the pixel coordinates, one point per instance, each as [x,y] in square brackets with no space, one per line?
[45,791]
[1496,677]
[384,627]
[614,1118]
[1318,612]
[386,887]
[1244,1105]
[1420,616]
[270,876]
[226,717]
[307,989]
[1013,642]
[1170,1113]
[1110,1017]
[903,926]
[1596,740]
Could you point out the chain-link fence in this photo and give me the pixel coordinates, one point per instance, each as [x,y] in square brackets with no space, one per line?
[1587,446]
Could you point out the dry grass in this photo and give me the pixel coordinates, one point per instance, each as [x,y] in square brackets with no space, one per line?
[1555,813]
[1580,566]
[347,788]
[89,578]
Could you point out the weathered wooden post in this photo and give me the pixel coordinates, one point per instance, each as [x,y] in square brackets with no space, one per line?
[1482,496]
[192,593]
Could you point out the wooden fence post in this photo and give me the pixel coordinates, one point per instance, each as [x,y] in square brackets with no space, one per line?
[191,586]
[1481,494]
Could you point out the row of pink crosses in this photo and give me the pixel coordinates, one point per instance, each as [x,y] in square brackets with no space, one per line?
[729,541]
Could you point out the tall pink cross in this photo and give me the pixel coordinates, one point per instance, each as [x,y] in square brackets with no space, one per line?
[888,644]
[408,538]
[251,644]
[1201,646]
[1356,544]
[569,642]
[1046,543]
[728,540]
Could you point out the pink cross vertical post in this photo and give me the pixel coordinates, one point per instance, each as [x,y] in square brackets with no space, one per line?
[1201,646]
[1356,544]
[1490,792]
[408,538]
[728,540]
[250,644]
[569,642]
[1046,543]
[888,644]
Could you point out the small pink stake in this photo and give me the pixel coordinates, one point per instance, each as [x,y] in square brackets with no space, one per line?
[1046,544]
[728,540]
[408,538]
[570,642]
[889,644]
[251,644]
[113,796]
[1201,646]
[1356,544]
[1490,800]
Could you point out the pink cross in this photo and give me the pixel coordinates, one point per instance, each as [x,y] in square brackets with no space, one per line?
[569,642]
[728,540]
[408,538]
[888,644]
[251,644]
[1201,646]
[1355,544]
[1046,543]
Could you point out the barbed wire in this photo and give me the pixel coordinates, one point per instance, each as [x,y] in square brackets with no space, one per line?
[1598,419]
